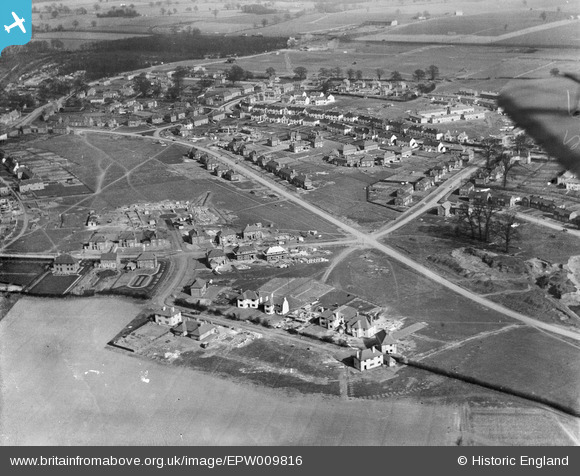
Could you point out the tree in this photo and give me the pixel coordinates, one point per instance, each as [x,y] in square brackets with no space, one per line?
[523,144]
[235,73]
[75,24]
[477,219]
[323,73]
[543,16]
[271,72]
[264,22]
[380,72]
[142,84]
[490,150]
[301,72]
[177,77]
[506,229]
[507,163]
[555,72]
[419,75]
[433,72]
[215,12]
[56,44]
[396,76]
[350,73]
[94,23]
[336,72]
[359,74]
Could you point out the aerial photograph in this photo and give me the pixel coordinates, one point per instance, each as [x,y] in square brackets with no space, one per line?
[290,223]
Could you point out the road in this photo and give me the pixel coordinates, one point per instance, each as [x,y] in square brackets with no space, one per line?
[548,224]
[428,202]
[371,241]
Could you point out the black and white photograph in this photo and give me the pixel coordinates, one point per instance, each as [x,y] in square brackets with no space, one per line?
[290,223]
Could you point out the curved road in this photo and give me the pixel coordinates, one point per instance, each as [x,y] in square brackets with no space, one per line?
[372,242]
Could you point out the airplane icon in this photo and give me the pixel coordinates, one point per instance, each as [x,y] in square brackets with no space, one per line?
[17,22]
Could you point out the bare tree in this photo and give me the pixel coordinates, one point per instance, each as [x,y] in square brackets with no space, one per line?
[507,163]
[380,72]
[506,229]
[490,149]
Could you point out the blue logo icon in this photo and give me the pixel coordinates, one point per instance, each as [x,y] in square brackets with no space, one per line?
[16,17]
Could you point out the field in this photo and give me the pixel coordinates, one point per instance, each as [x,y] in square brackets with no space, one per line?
[471,64]
[21,272]
[485,24]
[73,40]
[503,360]
[53,284]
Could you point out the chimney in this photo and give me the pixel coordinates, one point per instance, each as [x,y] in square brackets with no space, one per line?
[184,326]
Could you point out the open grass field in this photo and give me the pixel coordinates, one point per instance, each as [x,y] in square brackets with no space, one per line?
[479,66]
[485,24]
[566,35]
[504,359]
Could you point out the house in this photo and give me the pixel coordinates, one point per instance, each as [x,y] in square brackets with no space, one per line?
[565,215]
[303,181]
[444,209]
[232,175]
[98,242]
[248,299]
[109,261]
[167,316]
[216,258]
[368,359]
[227,236]
[200,331]
[31,184]
[275,253]
[147,260]
[466,189]
[359,326]
[198,287]
[424,184]
[404,200]
[386,343]
[286,173]
[330,320]
[65,264]
[252,232]
[245,253]
[366,161]
[199,120]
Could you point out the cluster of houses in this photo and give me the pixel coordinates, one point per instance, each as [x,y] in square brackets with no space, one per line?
[217,257]
[182,326]
[66,264]
[342,319]
[470,97]
[270,165]
[451,113]
[132,239]
[558,211]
